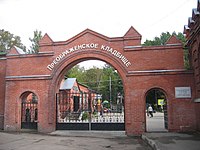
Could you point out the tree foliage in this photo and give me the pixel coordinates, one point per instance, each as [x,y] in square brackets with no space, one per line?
[76,72]
[163,39]
[111,78]
[8,40]
[37,36]
[99,80]
[158,40]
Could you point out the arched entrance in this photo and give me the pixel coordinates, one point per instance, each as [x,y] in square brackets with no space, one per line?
[137,65]
[79,107]
[29,110]
[156,110]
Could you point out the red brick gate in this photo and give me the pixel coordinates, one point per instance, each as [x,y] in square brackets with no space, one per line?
[141,69]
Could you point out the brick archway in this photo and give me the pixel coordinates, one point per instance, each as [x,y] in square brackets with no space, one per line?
[29,110]
[69,62]
[140,68]
[161,117]
[74,59]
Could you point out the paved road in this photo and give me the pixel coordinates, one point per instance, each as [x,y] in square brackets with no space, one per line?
[156,123]
[158,137]
[173,141]
[34,141]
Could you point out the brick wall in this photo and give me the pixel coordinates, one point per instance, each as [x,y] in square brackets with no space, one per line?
[181,113]
[2,89]
[13,104]
[192,31]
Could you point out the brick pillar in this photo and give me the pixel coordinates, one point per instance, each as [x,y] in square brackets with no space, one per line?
[134,112]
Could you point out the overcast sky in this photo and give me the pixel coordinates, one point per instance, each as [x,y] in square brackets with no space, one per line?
[63,19]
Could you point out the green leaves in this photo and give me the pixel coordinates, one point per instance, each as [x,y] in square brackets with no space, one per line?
[99,79]
[163,39]
[37,36]
[8,40]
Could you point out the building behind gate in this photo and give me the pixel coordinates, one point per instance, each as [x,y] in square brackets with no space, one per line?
[141,68]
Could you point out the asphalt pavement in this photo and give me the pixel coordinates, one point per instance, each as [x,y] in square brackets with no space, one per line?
[71,140]
[156,123]
[173,141]
[157,138]
[160,139]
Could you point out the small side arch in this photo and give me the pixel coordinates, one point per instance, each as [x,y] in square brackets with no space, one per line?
[156,97]
[29,110]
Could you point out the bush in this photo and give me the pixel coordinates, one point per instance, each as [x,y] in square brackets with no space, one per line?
[85,116]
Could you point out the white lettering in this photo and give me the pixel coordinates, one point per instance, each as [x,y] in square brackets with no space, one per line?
[71,50]
[108,49]
[81,46]
[92,45]
[55,61]
[87,46]
[65,53]
[128,64]
[119,55]
[96,46]
[102,47]
[114,53]
[49,67]
[52,64]
[75,48]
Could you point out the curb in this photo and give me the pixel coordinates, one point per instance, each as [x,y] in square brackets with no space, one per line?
[150,142]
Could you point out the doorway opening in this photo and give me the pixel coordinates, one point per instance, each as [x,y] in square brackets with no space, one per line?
[156,110]
[29,110]
[90,99]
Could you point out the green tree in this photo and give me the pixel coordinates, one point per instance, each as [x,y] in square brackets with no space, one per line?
[37,36]
[8,40]
[111,82]
[76,72]
[181,37]
[158,40]
[99,79]
[163,39]
[93,78]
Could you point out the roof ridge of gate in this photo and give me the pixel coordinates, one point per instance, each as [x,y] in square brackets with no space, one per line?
[85,32]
